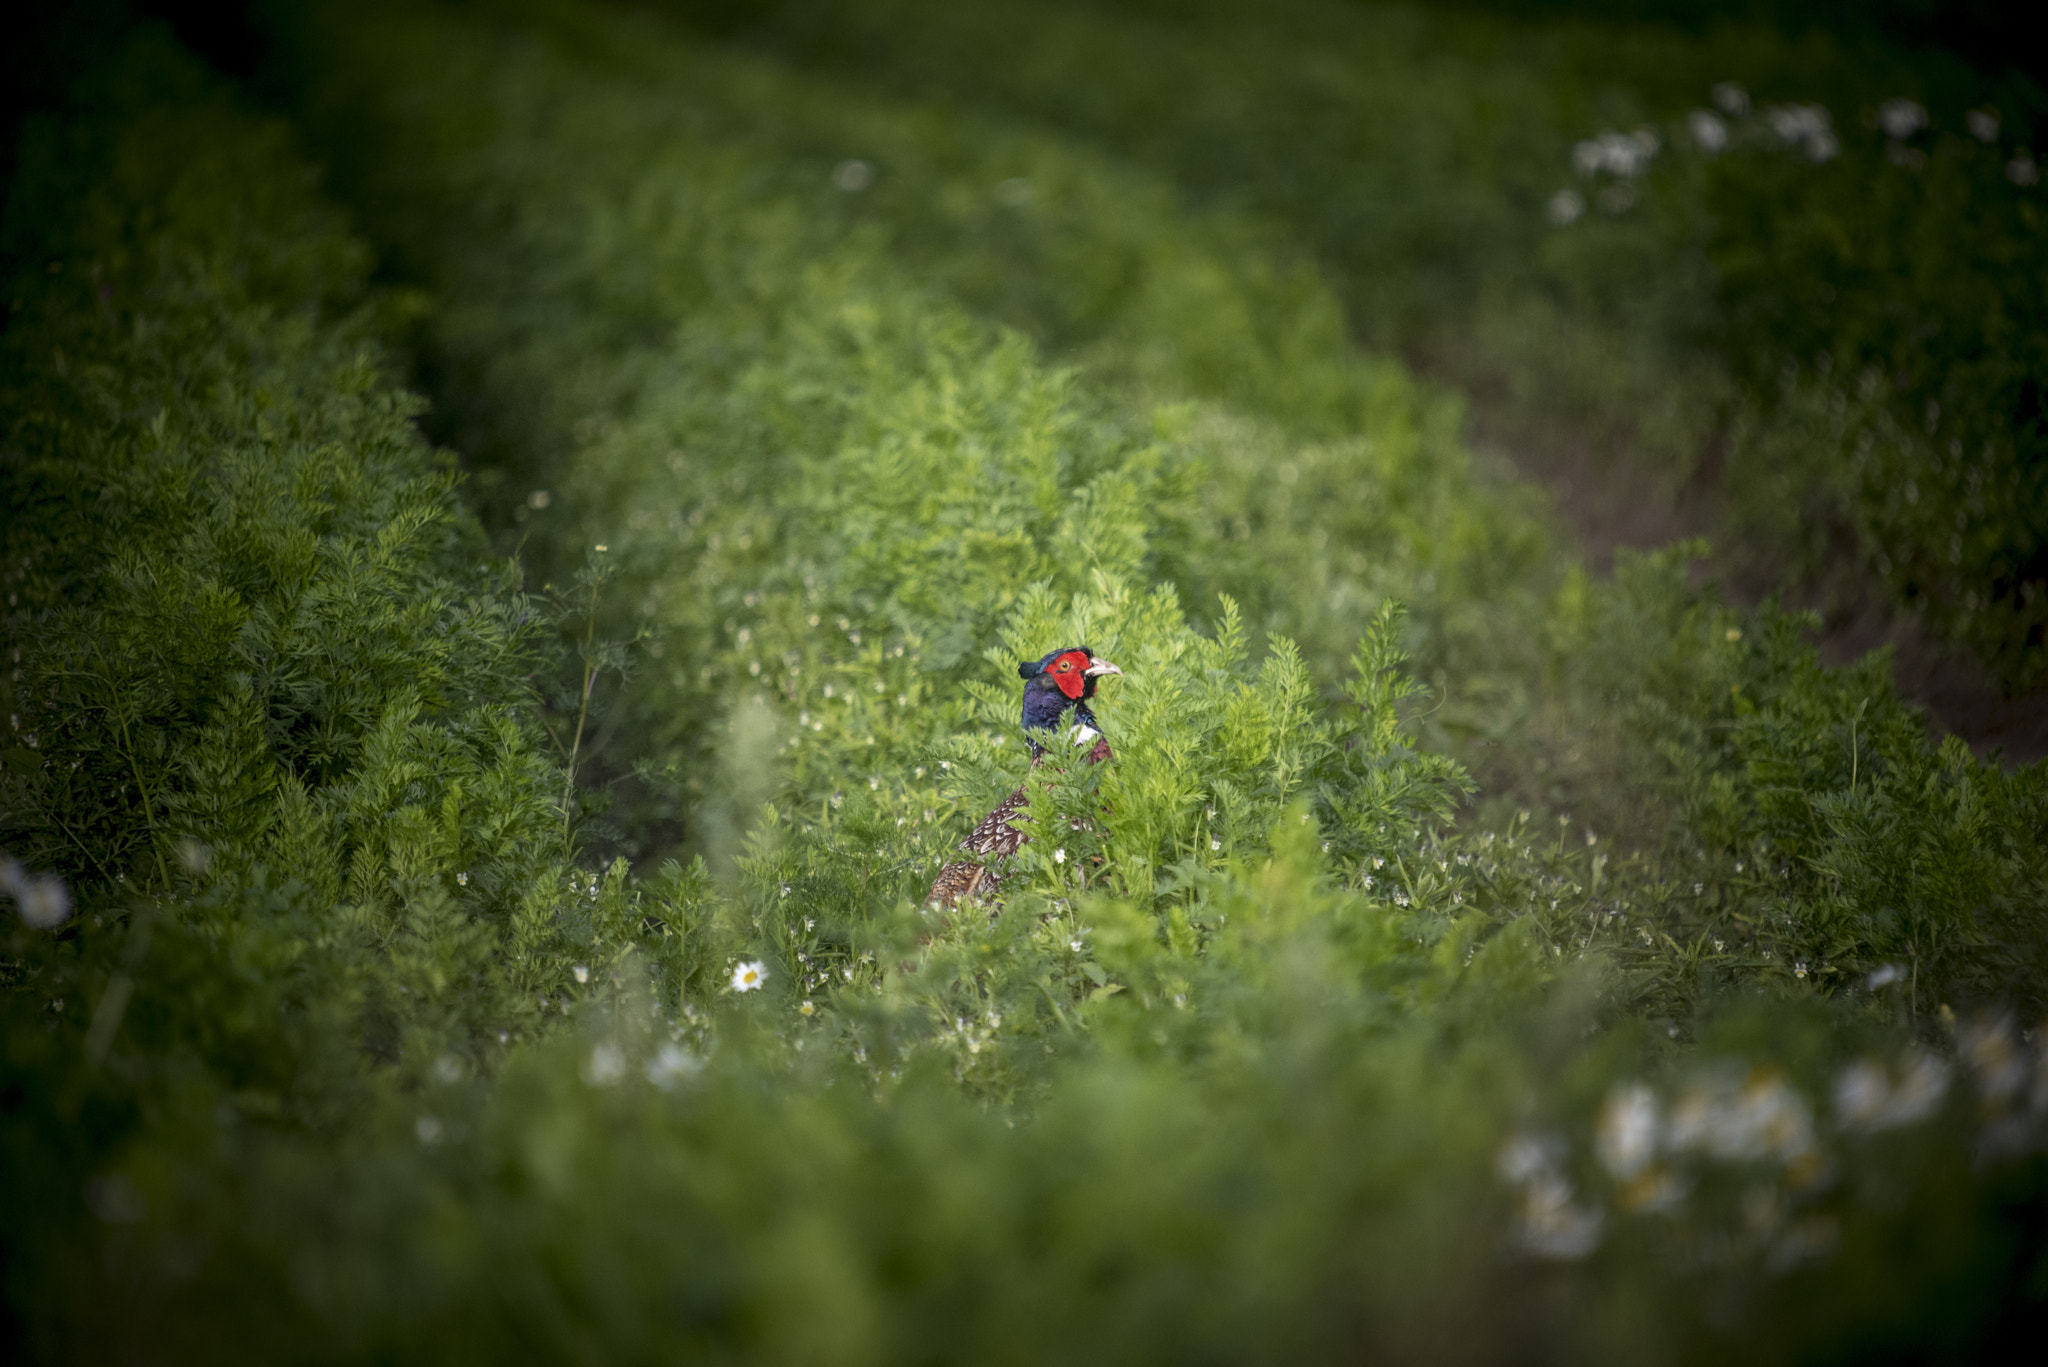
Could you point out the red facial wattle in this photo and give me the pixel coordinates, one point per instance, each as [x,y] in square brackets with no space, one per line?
[1070,672]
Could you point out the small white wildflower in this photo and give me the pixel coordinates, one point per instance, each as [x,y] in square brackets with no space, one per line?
[1983,124]
[1620,154]
[462,879]
[748,976]
[1627,1132]
[1059,856]
[1564,208]
[605,1066]
[581,972]
[40,899]
[807,1009]
[1866,1099]
[1214,843]
[1799,969]
[670,1064]
[428,1128]
[851,177]
[1806,126]
[1901,117]
[1997,1057]
[1731,1116]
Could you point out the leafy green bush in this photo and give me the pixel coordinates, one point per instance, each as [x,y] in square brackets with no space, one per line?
[1806,828]
[1682,312]
[747,479]
[1898,369]
[828,517]
[267,701]
[1266,1052]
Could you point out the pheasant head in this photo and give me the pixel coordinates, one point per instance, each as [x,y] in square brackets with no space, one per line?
[1060,682]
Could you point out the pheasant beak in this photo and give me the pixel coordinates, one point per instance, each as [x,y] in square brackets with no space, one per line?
[1097,668]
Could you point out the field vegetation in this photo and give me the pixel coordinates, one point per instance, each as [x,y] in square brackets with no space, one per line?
[1777,283]
[466,853]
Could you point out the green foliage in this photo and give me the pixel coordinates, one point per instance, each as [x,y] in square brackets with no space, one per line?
[1848,352]
[1899,371]
[1270,1047]
[1782,826]
[268,701]
[249,620]
[709,178]
[1827,832]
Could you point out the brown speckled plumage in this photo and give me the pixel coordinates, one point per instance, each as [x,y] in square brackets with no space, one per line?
[962,882]
[995,836]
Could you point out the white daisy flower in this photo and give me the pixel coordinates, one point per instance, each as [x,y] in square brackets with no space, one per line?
[748,976]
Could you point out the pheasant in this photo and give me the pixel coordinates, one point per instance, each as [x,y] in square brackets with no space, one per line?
[1061,681]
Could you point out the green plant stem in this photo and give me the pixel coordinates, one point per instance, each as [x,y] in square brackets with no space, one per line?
[582,713]
[148,803]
